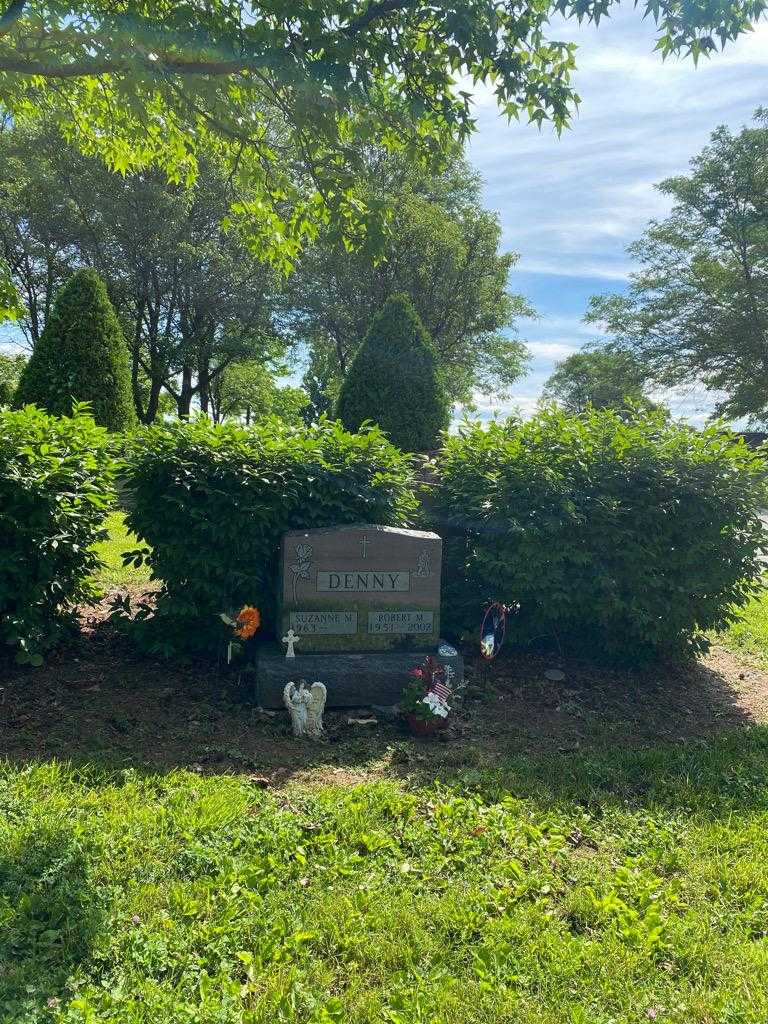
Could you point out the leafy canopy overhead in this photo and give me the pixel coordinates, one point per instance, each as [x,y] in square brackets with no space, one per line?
[290,89]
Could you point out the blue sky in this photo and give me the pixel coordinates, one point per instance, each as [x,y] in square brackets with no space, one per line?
[570,206]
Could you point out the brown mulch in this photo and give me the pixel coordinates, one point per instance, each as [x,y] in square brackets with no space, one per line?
[98,701]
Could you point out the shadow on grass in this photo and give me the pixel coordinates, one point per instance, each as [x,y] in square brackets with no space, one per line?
[706,777]
[687,736]
[48,919]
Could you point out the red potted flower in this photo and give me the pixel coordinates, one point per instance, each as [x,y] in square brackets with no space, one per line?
[425,700]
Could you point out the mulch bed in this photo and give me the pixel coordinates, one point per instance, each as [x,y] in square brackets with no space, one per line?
[98,701]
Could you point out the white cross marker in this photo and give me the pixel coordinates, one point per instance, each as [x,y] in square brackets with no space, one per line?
[364,544]
[291,639]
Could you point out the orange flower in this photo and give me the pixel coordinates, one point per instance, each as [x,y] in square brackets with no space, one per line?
[248,621]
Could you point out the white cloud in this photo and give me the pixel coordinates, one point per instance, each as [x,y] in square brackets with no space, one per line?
[570,206]
[577,268]
[486,409]
[552,349]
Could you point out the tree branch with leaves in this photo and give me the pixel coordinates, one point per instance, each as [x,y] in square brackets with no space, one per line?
[161,83]
[697,307]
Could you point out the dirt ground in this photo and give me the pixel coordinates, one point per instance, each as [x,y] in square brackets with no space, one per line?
[98,701]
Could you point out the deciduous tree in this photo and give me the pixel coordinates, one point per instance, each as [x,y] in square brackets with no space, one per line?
[290,91]
[442,249]
[191,296]
[249,391]
[601,377]
[697,307]
[11,367]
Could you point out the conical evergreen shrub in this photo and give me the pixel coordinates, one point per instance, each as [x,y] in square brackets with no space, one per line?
[394,381]
[81,357]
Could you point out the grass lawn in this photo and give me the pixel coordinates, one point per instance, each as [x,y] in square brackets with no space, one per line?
[113,573]
[589,852]
[749,635]
[629,886]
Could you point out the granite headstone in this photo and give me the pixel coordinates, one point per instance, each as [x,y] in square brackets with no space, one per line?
[361,588]
[364,602]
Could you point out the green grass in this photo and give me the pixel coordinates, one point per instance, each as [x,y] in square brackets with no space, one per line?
[603,886]
[114,573]
[749,634]
[133,899]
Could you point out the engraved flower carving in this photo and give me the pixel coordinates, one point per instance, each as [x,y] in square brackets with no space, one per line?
[302,565]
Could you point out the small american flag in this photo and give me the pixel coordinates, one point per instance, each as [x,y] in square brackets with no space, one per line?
[438,686]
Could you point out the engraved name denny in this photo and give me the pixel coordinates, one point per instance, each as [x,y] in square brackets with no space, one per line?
[367,581]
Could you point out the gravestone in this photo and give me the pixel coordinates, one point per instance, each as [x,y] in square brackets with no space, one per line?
[364,602]
[361,588]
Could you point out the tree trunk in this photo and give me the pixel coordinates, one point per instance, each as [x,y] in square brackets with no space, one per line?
[135,384]
[203,380]
[153,402]
[184,400]
[135,366]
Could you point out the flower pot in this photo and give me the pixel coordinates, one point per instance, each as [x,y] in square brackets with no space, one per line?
[425,726]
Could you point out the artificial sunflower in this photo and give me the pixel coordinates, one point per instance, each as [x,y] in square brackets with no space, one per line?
[247,622]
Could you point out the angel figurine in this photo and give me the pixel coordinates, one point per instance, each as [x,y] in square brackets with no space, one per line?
[305,708]
[315,710]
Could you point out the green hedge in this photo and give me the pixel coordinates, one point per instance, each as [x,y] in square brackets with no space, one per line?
[56,479]
[213,501]
[623,540]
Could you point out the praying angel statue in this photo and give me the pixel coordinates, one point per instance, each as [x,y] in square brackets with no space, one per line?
[305,708]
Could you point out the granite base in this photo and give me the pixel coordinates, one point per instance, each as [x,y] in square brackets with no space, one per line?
[353,680]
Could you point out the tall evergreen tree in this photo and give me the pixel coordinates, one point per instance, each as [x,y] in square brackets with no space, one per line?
[81,357]
[394,380]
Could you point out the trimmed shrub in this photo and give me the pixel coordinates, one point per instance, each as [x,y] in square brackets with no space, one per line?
[55,486]
[394,381]
[624,540]
[213,502]
[81,357]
